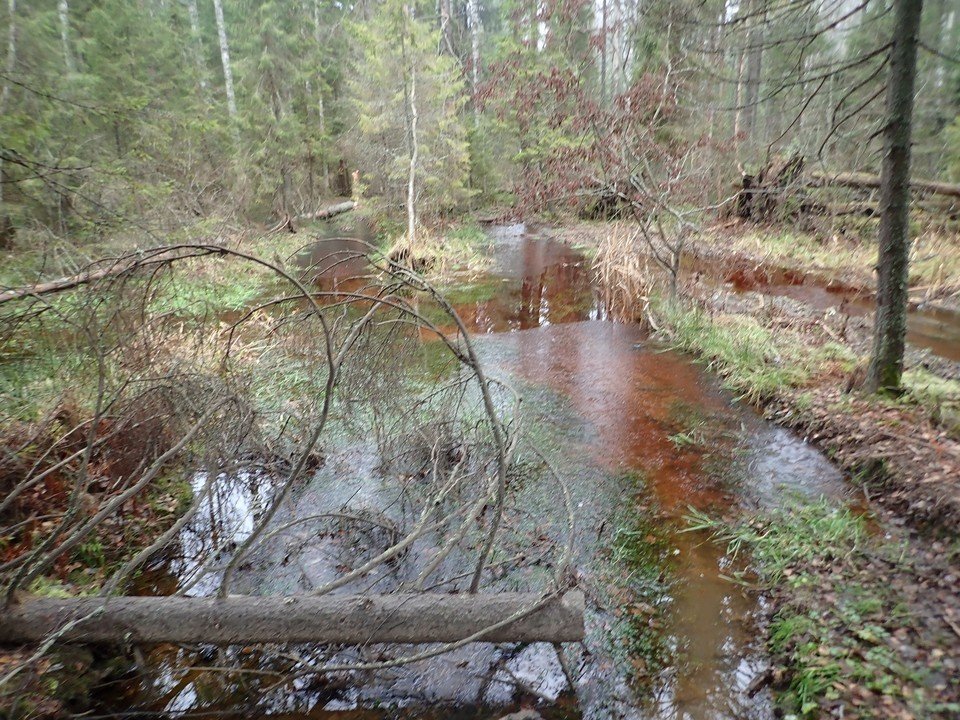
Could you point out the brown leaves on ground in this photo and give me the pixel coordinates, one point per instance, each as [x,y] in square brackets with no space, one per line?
[875,634]
[908,463]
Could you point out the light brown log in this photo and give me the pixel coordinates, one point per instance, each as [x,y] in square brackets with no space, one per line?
[94,274]
[329,211]
[866,180]
[346,619]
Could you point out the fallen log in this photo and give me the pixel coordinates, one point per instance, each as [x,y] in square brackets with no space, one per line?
[872,182]
[329,211]
[113,269]
[346,619]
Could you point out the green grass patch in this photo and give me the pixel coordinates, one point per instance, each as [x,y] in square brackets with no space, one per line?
[752,359]
[638,561]
[839,611]
[801,533]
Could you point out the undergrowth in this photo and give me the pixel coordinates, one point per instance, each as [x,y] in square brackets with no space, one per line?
[752,359]
[841,629]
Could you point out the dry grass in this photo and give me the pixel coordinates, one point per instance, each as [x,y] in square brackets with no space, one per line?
[934,258]
[627,274]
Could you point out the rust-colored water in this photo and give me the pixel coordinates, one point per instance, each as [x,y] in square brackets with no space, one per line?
[629,408]
[934,328]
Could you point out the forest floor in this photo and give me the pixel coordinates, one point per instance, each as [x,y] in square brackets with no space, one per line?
[867,626]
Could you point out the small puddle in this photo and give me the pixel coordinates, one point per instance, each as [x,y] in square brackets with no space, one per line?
[934,328]
[642,434]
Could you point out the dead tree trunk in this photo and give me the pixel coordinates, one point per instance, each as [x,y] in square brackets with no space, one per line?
[868,181]
[890,327]
[761,196]
[329,211]
[352,619]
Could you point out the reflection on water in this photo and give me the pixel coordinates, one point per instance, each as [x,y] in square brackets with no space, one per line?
[605,405]
[534,281]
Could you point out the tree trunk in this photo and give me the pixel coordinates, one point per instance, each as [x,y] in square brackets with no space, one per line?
[446,29]
[754,61]
[473,12]
[603,53]
[323,133]
[194,13]
[411,93]
[63,10]
[225,59]
[890,329]
[6,226]
[351,619]
[868,181]
[279,112]
[329,211]
[741,61]
[321,110]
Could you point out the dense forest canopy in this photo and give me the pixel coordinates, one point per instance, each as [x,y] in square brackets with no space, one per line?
[163,112]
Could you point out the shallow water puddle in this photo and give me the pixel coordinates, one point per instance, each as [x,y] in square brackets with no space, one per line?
[641,434]
[934,328]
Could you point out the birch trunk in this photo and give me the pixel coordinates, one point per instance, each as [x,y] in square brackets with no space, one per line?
[225,59]
[194,13]
[63,10]
[411,129]
[890,325]
[473,18]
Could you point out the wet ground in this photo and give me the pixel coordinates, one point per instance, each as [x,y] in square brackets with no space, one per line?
[929,326]
[641,434]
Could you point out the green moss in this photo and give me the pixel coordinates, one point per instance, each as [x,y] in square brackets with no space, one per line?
[938,397]
[49,587]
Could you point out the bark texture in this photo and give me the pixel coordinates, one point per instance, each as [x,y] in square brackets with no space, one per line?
[225,59]
[890,329]
[871,182]
[353,619]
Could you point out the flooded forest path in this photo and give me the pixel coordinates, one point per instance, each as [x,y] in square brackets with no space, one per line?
[642,435]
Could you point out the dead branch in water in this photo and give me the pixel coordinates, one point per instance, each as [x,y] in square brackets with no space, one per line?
[350,344]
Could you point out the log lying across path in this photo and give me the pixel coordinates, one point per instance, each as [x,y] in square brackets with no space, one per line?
[329,211]
[347,619]
[779,190]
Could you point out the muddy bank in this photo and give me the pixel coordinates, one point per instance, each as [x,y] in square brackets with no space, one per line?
[843,295]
